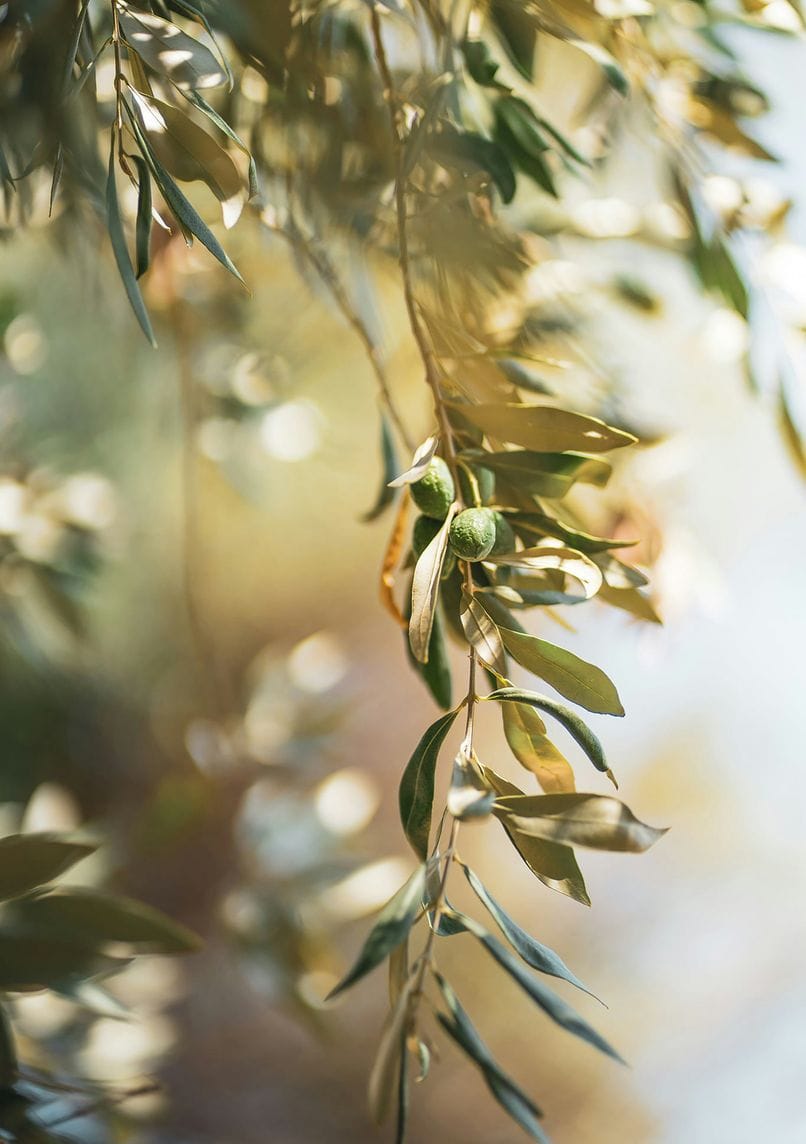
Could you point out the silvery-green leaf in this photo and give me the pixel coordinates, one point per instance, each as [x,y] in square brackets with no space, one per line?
[425,590]
[595,821]
[393,925]
[423,456]
[575,678]
[417,785]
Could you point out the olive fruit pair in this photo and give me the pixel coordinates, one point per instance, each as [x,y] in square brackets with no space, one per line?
[474,534]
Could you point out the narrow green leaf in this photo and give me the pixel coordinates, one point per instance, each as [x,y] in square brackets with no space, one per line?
[548,474]
[58,168]
[169,51]
[417,784]
[201,103]
[595,821]
[576,728]
[554,865]
[483,635]
[186,150]
[577,680]
[385,1078]
[548,557]
[91,917]
[533,952]
[436,672]
[389,464]
[545,429]
[425,590]
[555,1007]
[392,927]
[121,251]
[526,735]
[469,152]
[423,456]
[509,1095]
[144,216]
[28,861]
[187,215]
[543,524]
[630,600]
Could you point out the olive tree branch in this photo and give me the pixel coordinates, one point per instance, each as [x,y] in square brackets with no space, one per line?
[322,266]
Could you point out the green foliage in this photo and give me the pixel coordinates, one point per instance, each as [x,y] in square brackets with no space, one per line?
[418,163]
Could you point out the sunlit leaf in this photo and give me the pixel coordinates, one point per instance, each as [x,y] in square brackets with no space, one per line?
[121,250]
[416,794]
[555,1007]
[170,51]
[483,635]
[460,1028]
[545,429]
[425,590]
[393,925]
[595,821]
[555,865]
[548,474]
[548,557]
[533,952]
[423,455]
[31,860]
[575,726]
[186,150]
[526,734]
[577,680]
[185,213]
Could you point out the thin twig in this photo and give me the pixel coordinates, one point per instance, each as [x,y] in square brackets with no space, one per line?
[326,272]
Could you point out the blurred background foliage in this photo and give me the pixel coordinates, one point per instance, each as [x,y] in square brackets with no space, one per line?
[195,668]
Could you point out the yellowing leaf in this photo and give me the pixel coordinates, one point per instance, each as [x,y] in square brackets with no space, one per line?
[545,429]
[526,734]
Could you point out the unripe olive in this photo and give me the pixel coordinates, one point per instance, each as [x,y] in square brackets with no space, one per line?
[434,492]
[472,533]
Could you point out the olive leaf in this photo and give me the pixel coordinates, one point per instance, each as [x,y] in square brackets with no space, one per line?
[543,524]
[576,727]
[548,557]
[186,215]
[469,796]
[553,1006]
[416,795]
[144,216]
[423,456]
[121,251]
[387,1075]
[595,821]
[8,1052]
[553,864]
[393,925]
[389,462]
[545,429]
[548,474]
[93,918]
[436,672]
[483,635]
[28,861]
[460,1028]
[526,735]
[533,952]
[577,680]
[189,153]
[169,50]
[425,590]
